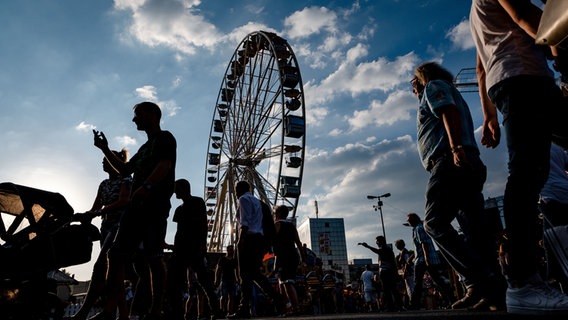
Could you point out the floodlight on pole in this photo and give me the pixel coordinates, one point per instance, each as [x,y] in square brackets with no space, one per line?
[379,207]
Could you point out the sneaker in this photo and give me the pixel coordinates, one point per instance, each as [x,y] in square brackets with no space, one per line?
[536,299]
[240,314]
[471,297]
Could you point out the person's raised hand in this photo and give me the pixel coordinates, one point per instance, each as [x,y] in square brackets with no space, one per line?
[100,141]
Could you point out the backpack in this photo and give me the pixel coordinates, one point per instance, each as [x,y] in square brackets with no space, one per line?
[268,227]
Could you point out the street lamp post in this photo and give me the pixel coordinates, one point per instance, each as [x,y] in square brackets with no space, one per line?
[379,206]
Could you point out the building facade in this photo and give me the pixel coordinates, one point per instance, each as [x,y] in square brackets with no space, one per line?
[326,237]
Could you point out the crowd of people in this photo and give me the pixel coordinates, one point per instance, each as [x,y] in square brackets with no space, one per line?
[514,78]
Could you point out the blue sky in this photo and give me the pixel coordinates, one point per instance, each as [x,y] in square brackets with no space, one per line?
[69,66]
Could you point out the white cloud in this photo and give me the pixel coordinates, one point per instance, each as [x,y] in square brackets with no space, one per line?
[238,34]
[125,141]
[83,126]
[147,92]
[315,115]
[170,107]
[460,36]
[174,24]
[340,180]
[309,21]
[335,132]
[396,107]
[365,77]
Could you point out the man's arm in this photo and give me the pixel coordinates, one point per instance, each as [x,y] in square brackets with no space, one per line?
[491,133]
[426,252]
[453,126]
[218,273]
[158,174]
[526,15]
[375,250]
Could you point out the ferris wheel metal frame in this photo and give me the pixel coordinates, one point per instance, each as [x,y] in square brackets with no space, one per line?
[257,133]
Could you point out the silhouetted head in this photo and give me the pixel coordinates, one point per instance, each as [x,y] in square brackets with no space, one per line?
[147,115]
[399,244]
[242,187]
[108,168]
[182,188]
[380,240]
[281,212]
[413,219]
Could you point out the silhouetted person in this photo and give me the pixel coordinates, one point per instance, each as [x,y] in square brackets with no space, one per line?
[250,250]
[405,263]
[514,78]
[289,252]
[145,221]
[387,273]
[426,260]
[111,201]
[447,148]
[226,277]
[189,252]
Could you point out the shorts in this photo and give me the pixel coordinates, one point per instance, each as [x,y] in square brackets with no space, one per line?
[143,225]
[228,288]
[370,296]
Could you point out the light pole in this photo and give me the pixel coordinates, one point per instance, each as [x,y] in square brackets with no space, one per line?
[379,207]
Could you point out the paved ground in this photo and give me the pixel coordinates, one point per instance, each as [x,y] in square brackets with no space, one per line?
[424,315]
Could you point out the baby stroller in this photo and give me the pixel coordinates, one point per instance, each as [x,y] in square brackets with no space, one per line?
[38,234]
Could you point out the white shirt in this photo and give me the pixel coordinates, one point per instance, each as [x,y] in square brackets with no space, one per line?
[504,48]
[250,213]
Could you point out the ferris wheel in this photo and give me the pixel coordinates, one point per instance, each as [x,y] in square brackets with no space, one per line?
[257,133]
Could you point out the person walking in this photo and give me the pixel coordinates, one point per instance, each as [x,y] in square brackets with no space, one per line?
[405,263]
[369,292]
[426,260]
[289,253]
[145,221]
[447,148]
[226,277]
[190,253]
[514,78]
[250,251]
[387,273]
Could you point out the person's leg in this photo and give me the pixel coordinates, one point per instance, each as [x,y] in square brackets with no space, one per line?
[98,277]
[389,289]
[158,271]
[260,279]
[125,243]
[528,136]
[143,291]
[245,262]
[442,283]
[176,284]
[443,194]
[416,296]
[205,280]
[526,103]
